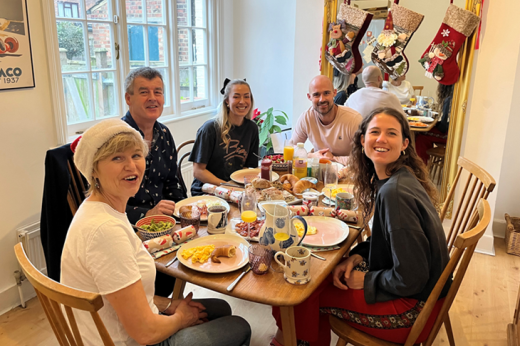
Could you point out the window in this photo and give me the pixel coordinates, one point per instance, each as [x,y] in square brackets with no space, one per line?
[101,41]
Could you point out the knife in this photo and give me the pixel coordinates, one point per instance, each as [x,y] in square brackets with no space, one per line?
[229,184]
[171,262]
[230,287]
[318,257]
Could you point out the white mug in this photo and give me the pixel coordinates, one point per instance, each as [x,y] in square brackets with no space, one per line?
[217,219]
[297,267]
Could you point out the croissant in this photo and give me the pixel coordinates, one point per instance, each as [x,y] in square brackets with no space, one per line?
[223,251]
[302,185]
[287,186]
[292,179]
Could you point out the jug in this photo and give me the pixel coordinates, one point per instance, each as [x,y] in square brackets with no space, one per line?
[425,102]
[278,230]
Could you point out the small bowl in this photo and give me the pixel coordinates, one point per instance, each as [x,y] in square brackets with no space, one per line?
[281,166]
[148,220]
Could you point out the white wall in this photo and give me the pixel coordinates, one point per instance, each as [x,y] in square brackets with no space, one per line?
[27,132]
[490,138]
[263,35]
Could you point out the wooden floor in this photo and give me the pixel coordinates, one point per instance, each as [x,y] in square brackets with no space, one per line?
[480,314]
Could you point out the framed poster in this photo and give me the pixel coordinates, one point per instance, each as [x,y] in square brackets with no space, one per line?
[16,67]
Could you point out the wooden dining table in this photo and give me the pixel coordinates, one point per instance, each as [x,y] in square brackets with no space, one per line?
[430,126]
[270,289]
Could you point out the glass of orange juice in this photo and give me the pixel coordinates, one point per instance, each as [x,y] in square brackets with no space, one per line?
[248,210]
[288,150]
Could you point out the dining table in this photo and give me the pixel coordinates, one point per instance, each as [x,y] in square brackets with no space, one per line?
[414,130]
[270,288]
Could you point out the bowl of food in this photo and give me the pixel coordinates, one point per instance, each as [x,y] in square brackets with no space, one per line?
[279,163]
[155,226]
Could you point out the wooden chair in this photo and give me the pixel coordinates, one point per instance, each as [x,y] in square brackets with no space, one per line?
[417,87]
[478,185]
[513,330]
[464,245]
[53,294]
[76,193]
[179,165]
[436,163]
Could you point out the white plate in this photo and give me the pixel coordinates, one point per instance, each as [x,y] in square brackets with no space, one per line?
[421,119]
[238,176]
[330,231]
[195,199]
[228,264]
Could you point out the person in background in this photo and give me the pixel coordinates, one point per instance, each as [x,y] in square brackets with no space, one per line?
[102,254]
[345,86]
[367,99]
[438,134]
[384,283]
[227,143]
[329,127]
[144,95]
[401,88]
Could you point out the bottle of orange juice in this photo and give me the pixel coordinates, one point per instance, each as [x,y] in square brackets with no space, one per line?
[300,162]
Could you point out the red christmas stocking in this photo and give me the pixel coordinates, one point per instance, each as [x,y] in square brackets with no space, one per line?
[439,59]
[353,23]
[388,54]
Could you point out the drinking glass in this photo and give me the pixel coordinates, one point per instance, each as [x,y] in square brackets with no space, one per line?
[330,180]
[412,100]
[248,209]
[260,257]
[288,150]
[190,215]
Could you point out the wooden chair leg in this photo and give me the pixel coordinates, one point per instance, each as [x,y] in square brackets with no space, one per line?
[341,342]
[449,330]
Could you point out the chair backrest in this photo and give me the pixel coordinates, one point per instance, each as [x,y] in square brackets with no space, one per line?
[182,183]
[76,193]
[478,185]
[52,295]
[465,245]
[417,87]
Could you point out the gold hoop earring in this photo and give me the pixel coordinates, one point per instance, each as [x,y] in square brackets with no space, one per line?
[362,150]
[404,153]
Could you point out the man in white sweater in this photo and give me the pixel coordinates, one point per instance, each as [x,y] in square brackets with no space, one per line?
[330,128]
[367,99]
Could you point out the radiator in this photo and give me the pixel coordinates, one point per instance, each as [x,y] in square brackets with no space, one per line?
[187,175]
[32,244]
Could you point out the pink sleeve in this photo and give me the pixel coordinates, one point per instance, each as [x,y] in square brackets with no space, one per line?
[299,134]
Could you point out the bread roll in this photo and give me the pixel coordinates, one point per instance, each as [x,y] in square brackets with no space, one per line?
[223,251]
[302,185]
[259,183]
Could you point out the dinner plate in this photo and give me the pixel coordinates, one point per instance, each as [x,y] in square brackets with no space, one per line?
[418,125]
[347,187]
[193,200]
[421,119]
[238,176]
[227,264]
[330,231]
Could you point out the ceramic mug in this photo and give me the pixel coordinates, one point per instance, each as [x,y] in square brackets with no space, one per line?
[297,267]
[345,200]
[217,219]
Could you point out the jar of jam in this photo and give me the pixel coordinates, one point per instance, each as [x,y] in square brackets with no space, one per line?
[266,168]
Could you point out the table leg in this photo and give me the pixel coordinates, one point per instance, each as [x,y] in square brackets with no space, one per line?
[412,138]
[178,289]
[288,325]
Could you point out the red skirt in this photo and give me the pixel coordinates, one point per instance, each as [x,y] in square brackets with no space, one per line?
[391,320]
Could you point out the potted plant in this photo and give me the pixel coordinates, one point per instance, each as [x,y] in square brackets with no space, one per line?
[268,123]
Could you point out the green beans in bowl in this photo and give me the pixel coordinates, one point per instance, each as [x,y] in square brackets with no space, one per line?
[155,226]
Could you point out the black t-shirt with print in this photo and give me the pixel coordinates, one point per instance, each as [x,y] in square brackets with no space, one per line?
[221,161]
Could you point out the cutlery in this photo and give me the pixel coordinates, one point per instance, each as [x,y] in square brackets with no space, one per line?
[171,262]
[234,283]
[318,257]
[139,228]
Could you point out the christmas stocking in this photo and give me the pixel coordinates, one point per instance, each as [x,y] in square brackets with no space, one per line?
[439,59]
[352,24]
[388,54]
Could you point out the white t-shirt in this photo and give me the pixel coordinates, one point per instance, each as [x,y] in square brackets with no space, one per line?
[403,92]
[102,254]
[365,100]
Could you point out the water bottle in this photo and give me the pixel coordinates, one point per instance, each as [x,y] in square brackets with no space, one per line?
[300,161]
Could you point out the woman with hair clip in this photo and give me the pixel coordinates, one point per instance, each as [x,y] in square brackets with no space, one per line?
[227,143]
[383,285]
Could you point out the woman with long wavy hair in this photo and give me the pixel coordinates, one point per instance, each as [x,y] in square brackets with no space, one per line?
[384,283]
[227,143]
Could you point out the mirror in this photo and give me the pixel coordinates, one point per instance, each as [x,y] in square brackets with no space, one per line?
[442,162]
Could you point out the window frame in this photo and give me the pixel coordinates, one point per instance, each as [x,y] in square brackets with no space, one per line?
[176,111]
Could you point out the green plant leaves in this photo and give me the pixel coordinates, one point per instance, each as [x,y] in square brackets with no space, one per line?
[269,125]
[281,120]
